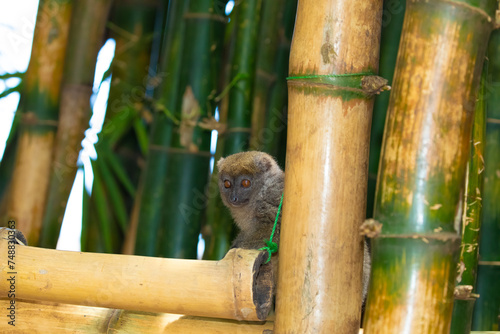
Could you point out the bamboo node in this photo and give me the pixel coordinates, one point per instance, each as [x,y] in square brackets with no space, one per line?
[31,119]
[370,228]
[374,84]
[365,83]
[464,292]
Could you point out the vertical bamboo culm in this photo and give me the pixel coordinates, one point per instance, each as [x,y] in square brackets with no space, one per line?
[39,105]
[487,307]
[321,250]
[463,305]
[423,162]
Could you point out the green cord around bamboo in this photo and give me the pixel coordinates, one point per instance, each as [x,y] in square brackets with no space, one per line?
[272,247]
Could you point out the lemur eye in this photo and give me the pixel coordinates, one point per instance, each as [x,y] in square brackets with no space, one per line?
[227,184]
[245,183]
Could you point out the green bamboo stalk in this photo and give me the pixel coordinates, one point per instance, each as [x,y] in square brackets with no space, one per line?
[152,199]
[131,25]
[189,151]
[236,135]
[39,109]
[265,75]
[463,306]
[87,30]
[487,309]
[392,23]
[425,150]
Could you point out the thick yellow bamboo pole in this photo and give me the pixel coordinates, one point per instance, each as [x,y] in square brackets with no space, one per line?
[321,251]
[42,318]
[236,287]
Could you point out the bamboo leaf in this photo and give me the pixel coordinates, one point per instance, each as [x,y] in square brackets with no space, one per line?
[142,136]
[119,172]
[114,194]
[102,210]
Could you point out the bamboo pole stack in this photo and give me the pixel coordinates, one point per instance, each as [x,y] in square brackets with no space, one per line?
[422,171]
[335,48]
[43,317]
[236,287]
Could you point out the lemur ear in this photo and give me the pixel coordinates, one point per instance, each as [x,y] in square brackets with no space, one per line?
[219,163]
[264,162]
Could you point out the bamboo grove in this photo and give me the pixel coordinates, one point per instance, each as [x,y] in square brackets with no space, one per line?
[384,114]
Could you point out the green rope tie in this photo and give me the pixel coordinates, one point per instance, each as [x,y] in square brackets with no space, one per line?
[330,75]
[347,85]
[272,247]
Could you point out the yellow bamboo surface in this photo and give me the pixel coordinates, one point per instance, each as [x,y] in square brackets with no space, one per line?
[42,318]
[321,250]
[224,289]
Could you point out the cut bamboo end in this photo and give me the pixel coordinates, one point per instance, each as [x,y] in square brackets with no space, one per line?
[237,287]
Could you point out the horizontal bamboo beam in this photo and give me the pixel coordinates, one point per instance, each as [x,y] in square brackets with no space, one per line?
[41,317]
[236,287]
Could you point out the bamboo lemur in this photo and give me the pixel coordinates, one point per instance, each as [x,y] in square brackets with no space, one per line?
[251,185]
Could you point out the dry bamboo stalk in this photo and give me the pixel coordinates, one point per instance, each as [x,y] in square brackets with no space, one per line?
[321,251]
[42,317]
[236,287]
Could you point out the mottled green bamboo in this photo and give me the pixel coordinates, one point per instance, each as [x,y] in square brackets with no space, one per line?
[39,109]
[132,26]
[487,309]
[189,151]
[392,23]
[236,134]
[146,226]
[86,33]
[463,305]
[265,75]
[422,170]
